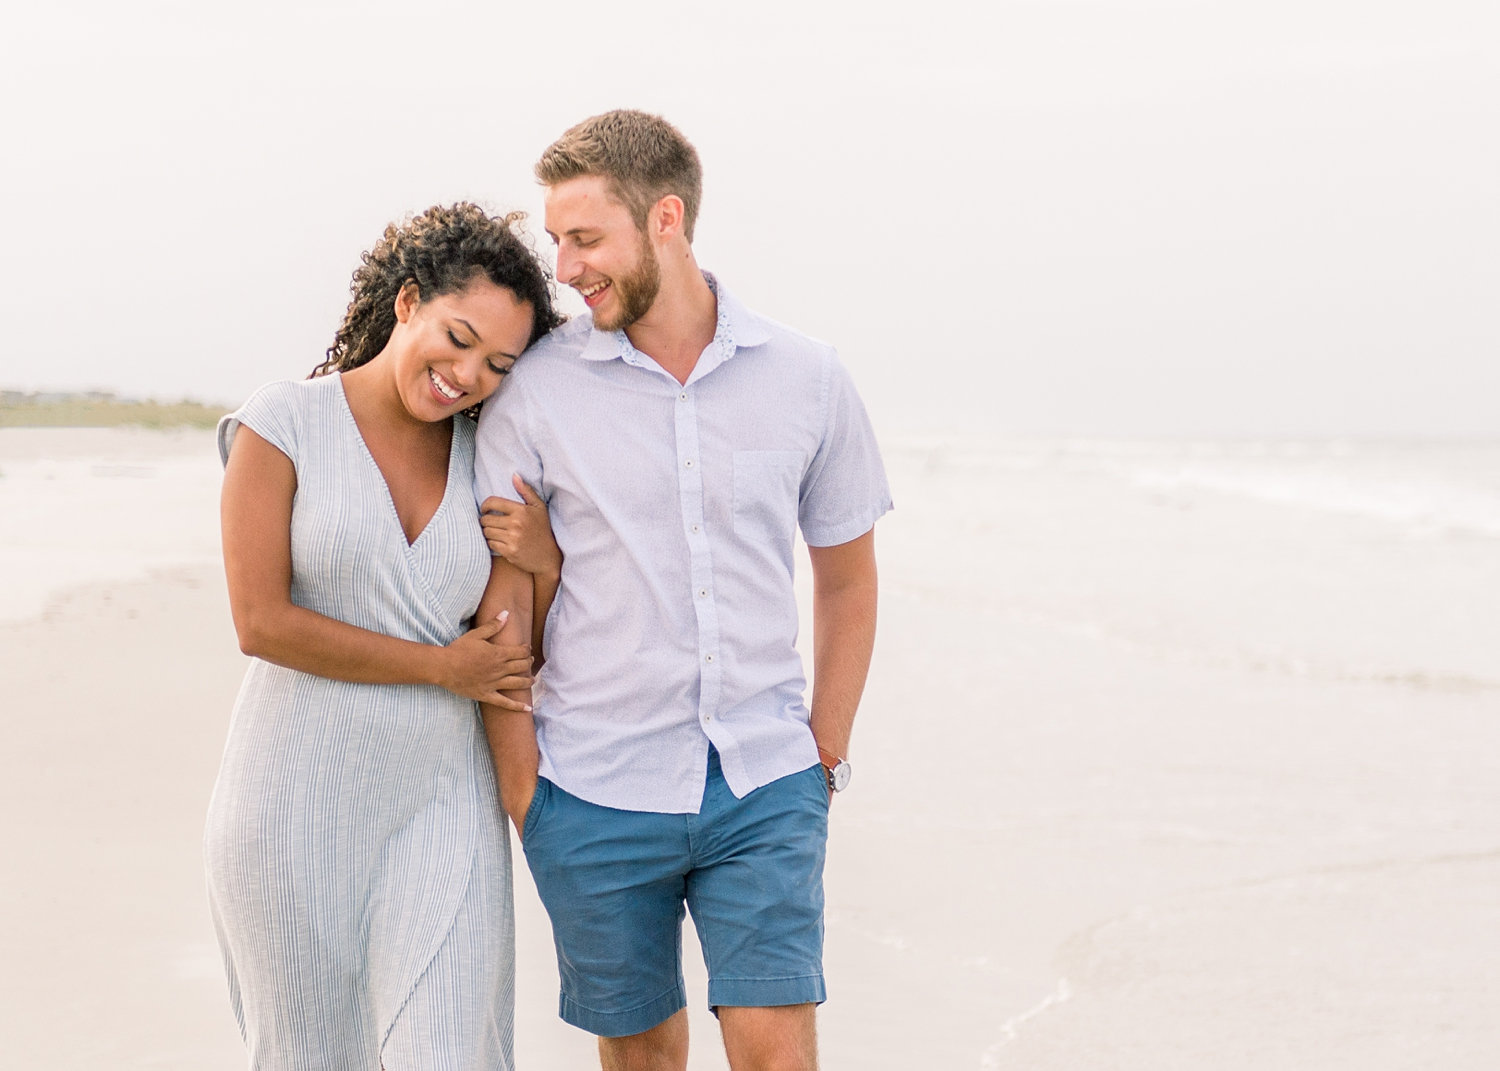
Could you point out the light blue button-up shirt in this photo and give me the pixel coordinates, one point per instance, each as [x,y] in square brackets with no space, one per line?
[676,507]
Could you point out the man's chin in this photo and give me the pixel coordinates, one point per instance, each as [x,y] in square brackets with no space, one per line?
[616,319]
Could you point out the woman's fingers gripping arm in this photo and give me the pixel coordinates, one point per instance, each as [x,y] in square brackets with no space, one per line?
[521,532]
[482,667]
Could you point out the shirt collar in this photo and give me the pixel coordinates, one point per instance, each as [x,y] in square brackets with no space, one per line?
[738,328]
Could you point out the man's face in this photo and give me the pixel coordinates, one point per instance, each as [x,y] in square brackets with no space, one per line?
[601,253]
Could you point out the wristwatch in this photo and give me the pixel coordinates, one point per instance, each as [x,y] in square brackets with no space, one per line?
[836,770]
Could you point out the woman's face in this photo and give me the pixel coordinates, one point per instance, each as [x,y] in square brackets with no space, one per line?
[450,351]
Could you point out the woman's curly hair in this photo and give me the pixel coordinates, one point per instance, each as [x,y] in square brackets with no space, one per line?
[441,251]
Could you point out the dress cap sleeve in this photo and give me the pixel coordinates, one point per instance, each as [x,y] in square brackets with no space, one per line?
[272,413]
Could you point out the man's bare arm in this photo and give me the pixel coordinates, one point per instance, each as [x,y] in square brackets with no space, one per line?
[844,598]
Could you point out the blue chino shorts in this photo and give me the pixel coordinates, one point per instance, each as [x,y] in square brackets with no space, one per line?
[617,884]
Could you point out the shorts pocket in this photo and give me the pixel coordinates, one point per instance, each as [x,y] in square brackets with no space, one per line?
[534,811]
[766,492]
[824,796]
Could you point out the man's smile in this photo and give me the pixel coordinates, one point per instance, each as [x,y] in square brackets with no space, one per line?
[592,291]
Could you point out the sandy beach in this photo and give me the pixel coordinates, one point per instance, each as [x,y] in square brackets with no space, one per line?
[1173,756]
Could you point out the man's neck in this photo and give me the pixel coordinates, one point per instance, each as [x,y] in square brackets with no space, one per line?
[681,321]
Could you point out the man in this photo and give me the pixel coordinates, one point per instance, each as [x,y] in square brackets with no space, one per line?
[679,440]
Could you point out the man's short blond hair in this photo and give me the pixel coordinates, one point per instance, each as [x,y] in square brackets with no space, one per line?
[642,157]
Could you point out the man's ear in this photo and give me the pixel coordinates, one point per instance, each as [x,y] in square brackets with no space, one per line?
[666,217]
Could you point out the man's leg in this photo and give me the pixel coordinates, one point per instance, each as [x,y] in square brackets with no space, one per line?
[612,882]
[756,895]
[662,1048]
[770,1039]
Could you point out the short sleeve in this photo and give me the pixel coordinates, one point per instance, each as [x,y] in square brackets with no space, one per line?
[271,413]
[504,443]
[844,491]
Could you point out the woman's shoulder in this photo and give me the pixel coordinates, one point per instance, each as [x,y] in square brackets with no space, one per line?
[279,412]
[290,394]
[295,392]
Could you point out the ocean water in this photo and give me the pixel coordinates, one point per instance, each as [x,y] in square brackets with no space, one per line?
[1333,560]
[1428,487]
[1423,489]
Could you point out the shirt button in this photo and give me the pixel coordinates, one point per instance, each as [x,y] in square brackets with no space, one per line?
[682,397]
[708,717]
[702,593]
[689,462]
[695,528]
[710,658]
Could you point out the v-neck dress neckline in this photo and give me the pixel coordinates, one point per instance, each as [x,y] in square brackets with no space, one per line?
[390,500]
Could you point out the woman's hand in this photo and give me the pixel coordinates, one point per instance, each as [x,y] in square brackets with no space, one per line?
[520,532]
[475,667]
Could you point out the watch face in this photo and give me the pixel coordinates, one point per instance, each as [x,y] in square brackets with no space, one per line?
[840,776]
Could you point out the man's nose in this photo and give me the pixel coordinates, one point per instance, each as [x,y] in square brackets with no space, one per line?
[568,266]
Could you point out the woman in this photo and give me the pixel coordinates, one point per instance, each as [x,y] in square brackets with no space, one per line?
[358,870]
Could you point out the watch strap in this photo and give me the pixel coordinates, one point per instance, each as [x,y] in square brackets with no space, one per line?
[836,772]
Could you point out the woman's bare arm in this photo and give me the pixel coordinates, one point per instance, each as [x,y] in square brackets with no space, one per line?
[256,517]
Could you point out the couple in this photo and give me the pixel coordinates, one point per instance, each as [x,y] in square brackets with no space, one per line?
[358,867]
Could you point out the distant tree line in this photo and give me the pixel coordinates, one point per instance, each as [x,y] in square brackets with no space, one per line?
[100,409]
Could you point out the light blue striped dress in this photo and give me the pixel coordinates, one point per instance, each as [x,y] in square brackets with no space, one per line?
[358,871]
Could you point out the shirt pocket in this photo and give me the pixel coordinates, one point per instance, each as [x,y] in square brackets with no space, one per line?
[766,486]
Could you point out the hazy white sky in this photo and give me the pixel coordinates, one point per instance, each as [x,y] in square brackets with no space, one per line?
[1061,217]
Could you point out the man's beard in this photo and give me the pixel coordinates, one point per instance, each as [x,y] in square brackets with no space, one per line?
[636,291]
